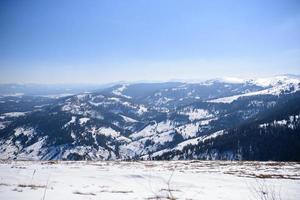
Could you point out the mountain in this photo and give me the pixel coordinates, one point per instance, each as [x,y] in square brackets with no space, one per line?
[224,118]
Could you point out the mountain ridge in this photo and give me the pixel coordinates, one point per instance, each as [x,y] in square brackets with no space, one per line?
[152,121]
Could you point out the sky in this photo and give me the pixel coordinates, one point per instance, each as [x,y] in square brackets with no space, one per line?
[102,41]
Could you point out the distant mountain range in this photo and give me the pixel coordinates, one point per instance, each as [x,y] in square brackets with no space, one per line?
[227,118]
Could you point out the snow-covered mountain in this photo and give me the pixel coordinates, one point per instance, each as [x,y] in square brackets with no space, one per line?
[226,118]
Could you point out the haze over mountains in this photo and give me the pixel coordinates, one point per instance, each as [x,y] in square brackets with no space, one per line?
[225,118]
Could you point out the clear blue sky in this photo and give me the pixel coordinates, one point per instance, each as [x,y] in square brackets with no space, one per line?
[104,41]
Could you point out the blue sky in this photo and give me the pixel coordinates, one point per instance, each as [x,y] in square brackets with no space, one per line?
[106,41]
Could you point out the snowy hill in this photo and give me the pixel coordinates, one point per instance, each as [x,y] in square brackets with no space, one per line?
[173,120]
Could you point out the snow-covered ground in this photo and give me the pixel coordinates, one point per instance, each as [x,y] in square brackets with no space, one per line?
[209,180]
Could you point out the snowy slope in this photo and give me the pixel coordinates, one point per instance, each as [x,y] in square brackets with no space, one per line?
[275,86]
[138,121]
[148,180]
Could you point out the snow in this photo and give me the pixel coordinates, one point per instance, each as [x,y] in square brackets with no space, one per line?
[10,149]
[66,108]
[281,122]
[211,180]
[140,147]
[14,114]
[193,141]
[271,85]
[159,134]
[188,130]
[83,120]
[7,149]
[72,121]
[131,150]
[24,131]
[57,96]
[164,126]
[32,151]
[146,132]
[163,137]
[4,124]
[196,114]
[82,96]
[263,82]
[95,104]
[229,80]
[162,101]
[17,94]
[128,119]
[214,135]
[142,109]
[276,90]
[234,80]
[41,106]
[124,139]
[206,122]
[153,129]
[119,91]
[275,80]
[263,125]
[107,131]
[80,150]
[290,122]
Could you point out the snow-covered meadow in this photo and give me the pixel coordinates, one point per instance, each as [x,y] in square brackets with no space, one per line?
[148,180]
